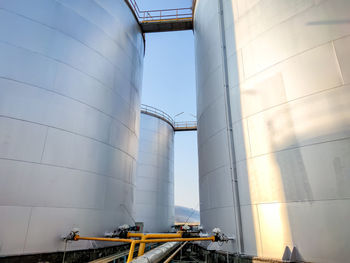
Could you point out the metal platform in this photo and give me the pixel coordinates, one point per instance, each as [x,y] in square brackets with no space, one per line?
[185,126]
[165,20]
[177,126]
[167,25]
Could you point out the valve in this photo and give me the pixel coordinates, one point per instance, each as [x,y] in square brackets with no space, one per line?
[219,236]
[185,227]
[72,235]
[122,231]
[124,227]
[216,231]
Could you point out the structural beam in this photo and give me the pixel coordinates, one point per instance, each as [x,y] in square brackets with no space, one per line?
[166,25]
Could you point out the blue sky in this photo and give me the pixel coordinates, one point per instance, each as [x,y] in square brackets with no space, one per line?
[169,85]
[163,4]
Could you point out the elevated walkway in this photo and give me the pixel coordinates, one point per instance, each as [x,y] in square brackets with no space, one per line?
[167,25]
[152,21]
[177,126]
[186,126]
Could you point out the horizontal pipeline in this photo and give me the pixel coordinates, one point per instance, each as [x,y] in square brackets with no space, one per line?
[163,240]
[150,236]
[133,242]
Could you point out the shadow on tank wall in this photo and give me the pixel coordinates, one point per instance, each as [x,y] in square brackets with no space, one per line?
[291,154]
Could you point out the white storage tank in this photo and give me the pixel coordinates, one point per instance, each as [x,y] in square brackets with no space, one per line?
[154,191]
[274,115]
[70,75]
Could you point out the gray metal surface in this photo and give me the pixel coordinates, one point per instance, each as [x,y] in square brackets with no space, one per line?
[154,192]
[288,67]
[157,254]
[70,74]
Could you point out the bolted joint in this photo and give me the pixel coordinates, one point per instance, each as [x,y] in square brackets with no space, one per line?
[122,231]
[219,236]
[72,236]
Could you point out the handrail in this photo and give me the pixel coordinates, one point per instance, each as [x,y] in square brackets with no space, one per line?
[158,113]
[182,125]
[185,124]
[145,16]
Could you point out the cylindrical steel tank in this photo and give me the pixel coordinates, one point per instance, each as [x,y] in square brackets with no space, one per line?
[154,191]
[70,74]
[274,115]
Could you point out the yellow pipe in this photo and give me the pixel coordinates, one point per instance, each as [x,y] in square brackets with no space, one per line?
[77,237]
[142,246]
[144,241]
[135,234]
[168,260]
[150,236]
[163,240]
[212,238]
[132,248]
[131,251]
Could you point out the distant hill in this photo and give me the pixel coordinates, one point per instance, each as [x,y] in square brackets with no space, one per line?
[182,213]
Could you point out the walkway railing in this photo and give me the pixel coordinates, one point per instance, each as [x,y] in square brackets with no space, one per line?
[177,126]
[175,14]
[186,126]
[158,113]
